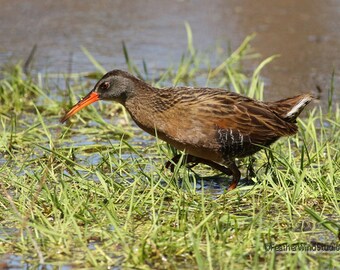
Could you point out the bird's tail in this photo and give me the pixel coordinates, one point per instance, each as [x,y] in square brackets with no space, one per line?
[290,108]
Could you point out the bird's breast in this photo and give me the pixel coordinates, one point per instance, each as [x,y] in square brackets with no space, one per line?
[176,126]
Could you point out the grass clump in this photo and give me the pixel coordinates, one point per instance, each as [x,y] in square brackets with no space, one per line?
[16,90]
[85,195]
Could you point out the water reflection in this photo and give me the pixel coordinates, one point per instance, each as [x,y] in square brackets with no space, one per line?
[305,34]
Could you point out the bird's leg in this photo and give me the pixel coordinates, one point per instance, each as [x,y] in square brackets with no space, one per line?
[250,168]
[187,159]
[170,164]
[231,168]
[212,164]
[236,175]
[196,160]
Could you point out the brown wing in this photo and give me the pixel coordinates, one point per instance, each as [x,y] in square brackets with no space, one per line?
[201,112]
[254,120]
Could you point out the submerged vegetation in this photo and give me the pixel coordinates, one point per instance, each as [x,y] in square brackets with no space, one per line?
[95,192]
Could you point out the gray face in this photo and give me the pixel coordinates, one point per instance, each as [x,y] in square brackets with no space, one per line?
[115,87]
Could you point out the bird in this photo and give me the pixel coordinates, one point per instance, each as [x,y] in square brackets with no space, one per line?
[212,126]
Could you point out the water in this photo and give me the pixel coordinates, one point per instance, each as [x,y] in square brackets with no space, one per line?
[305,34]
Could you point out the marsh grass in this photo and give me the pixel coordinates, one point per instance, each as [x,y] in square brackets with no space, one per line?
[94,192]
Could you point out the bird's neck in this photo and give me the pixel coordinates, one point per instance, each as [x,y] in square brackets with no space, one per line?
[145,108]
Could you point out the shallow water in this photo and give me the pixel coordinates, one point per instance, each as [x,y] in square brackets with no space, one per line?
[305,33]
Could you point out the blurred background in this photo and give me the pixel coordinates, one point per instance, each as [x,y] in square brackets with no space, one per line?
[304,33]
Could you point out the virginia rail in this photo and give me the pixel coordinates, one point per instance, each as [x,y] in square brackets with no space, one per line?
[213,126]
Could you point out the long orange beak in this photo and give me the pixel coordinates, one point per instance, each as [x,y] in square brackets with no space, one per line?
[87,100]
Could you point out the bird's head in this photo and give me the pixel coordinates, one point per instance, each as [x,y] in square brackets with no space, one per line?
[116,85]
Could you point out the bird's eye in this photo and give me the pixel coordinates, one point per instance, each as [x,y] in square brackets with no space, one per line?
[104,86]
